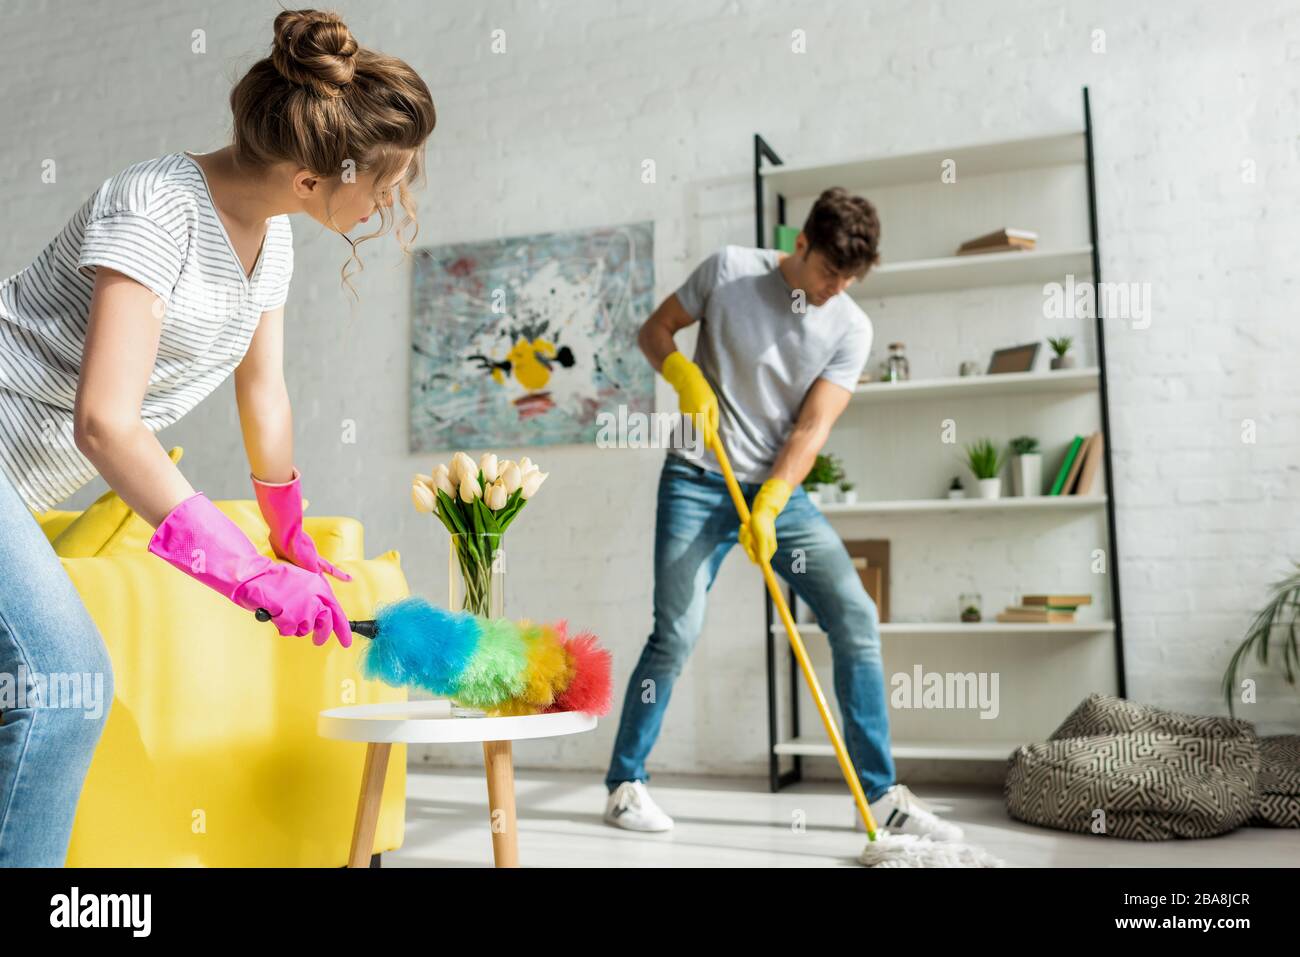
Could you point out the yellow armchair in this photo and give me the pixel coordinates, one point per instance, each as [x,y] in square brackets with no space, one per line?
[210,755]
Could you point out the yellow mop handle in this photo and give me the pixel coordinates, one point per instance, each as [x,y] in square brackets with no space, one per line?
[801,653]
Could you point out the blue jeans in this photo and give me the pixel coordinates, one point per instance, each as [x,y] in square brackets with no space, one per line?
[695,527]
[56,688]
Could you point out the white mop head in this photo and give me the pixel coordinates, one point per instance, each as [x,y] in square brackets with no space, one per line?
[908,850]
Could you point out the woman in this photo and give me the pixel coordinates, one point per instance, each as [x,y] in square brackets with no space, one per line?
[169,278]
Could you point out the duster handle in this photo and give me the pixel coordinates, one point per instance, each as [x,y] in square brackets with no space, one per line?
[366,628]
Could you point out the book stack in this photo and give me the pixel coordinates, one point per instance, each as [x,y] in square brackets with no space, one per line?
[1044,609]
[1003,241]
[1078,469]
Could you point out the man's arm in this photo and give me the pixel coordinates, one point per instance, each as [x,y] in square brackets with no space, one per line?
[265,414]
[695,396]
[823,404]
[656,335]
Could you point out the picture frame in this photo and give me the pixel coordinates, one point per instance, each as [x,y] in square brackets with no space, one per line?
[1014,358]
[871,561]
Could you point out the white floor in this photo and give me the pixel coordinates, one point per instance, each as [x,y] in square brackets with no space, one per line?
[729,822]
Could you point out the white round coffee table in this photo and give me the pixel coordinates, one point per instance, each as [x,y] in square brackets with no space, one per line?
[428,722]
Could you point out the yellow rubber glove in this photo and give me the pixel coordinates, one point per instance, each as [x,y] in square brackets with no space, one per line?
[694,394]
[758,538]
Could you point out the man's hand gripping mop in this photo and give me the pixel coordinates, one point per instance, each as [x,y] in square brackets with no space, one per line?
[883,849]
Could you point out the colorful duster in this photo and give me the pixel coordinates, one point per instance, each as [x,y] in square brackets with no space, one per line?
[494,664]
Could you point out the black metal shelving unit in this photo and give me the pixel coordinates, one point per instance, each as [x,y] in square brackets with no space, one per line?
[763,151]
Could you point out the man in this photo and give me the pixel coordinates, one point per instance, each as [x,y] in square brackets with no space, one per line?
[780,349]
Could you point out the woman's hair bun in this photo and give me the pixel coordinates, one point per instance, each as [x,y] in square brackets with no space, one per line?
[314,49]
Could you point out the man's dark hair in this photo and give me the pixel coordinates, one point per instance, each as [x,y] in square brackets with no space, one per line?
[845,229]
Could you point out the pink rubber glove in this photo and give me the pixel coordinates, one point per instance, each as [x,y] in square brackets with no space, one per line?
[206,545]
[281,505]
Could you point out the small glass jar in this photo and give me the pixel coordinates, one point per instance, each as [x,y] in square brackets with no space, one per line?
[896,369]
[969,604]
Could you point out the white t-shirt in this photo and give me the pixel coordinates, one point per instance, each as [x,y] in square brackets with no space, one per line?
[761,356]
[154,221]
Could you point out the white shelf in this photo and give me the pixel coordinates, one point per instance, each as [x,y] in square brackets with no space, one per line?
[978,159]
[1013,503]
[957,629]
[949,273]
[1005,383]
[1059,157]
[935,750]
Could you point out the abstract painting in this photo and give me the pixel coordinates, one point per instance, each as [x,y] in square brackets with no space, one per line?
[521,341]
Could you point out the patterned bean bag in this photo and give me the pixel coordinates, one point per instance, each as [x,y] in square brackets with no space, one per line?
[1133,771]
[1278,803]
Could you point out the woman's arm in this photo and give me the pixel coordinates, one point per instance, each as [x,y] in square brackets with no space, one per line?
[121,346]
[265,414]
[267,421]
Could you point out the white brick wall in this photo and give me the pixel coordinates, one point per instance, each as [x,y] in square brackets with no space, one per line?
[551,135]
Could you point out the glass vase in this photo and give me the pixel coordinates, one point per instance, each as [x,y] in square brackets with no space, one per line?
[477,574]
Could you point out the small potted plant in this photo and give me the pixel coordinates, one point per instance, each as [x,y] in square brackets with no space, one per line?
[848,492]
[955,490]
[985,461]
[833,493]
[969,602]
[822,478]
[1026,467]
[1061,346]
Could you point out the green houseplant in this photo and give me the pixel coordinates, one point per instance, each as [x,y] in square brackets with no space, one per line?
[1277,623]
[1061,345]
[848,493]
[985,460]
[1026,466]
[826,472]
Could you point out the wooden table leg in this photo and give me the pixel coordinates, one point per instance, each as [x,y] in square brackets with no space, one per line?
[372,793]
[501,802]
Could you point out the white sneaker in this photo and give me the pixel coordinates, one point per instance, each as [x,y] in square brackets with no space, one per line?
[630,806]
[899,811]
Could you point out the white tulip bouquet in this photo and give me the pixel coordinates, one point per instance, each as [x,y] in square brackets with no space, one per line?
[476,504]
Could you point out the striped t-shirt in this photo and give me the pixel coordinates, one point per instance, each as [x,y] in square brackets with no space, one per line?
[155,221]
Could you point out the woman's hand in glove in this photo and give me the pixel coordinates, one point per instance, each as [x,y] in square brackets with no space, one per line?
[197,538]
[281,505]
[299,602]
